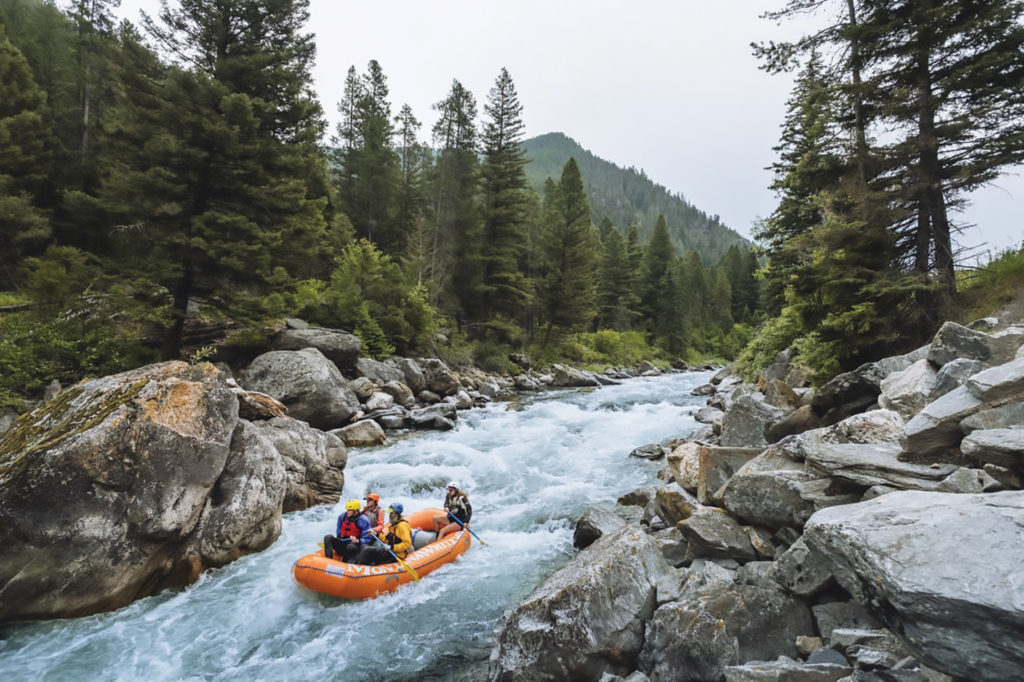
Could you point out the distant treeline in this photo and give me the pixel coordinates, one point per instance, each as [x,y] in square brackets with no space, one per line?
[181,176]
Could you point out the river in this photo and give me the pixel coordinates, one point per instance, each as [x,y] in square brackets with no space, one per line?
[530,467]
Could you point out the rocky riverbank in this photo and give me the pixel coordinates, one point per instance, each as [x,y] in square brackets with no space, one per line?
[119,487]
[867,531]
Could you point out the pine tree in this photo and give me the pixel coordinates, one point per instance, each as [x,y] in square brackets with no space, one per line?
[410,219]
[371,169]
[505,210]
[569,254]
[457,237]
[218,157]
[616,282]
[810,161]
[26,148]
[658,260]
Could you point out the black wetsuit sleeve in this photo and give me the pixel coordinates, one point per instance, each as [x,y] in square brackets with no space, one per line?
[469,511]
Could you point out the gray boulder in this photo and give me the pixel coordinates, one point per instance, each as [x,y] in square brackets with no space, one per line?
[243,514]
[802,571]
[907,391]
[673,504]
[308,383]
[565,376]
[341,348]
[1000,384]
[954,341]
[684,463]
[400,393]
[413,373]
[378,372]
[595,523]
[721,624]
[587,618]
[711,532]
[314,461]
[363,433]
[379,400]
[1002,447]
[936,428]
[855,391]
[1002,417]
[775,491]
[746,422]
[868,464]
[649,451]
[969,481]
[363,387]
[122,486]
[440,416]
[439,378]
[953,375]
[842,615]
[942,571]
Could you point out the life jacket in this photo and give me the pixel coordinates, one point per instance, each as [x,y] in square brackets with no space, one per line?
[458,504]
[349,528]
[403,538]
[376,519]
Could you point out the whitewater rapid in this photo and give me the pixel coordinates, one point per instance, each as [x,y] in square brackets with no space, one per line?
[530,467]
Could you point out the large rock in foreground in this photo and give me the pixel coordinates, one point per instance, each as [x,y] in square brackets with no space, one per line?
[128,484]
[586,619]
[944,571]
[721,624]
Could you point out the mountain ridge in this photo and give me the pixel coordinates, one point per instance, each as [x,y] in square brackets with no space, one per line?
[627,196]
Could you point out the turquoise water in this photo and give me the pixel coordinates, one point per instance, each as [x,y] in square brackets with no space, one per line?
[530,467]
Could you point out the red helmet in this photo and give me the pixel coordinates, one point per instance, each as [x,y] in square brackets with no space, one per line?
[372,496]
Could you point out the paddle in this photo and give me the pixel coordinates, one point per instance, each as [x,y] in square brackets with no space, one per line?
[401,563]
[456,519]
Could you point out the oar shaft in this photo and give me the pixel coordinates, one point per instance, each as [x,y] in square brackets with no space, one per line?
[458,521]
[401,563]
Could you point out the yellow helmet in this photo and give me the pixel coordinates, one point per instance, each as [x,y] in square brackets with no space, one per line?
[352,505]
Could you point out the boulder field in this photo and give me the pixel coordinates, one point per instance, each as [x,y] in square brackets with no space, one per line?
[871,530]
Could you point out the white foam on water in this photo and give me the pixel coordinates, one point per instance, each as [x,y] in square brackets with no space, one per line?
[530,470]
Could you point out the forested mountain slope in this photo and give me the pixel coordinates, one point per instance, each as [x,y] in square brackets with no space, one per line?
[626,196]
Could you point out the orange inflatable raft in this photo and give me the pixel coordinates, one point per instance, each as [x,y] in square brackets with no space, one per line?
[354,581]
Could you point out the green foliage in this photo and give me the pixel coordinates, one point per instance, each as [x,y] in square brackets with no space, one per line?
[368,295]
[493,357]
[985,289]
[774,336]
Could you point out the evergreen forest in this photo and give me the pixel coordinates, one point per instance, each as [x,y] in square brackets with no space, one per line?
[174,187]
[173,190]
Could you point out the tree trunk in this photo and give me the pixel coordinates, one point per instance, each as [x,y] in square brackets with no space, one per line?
[930,170]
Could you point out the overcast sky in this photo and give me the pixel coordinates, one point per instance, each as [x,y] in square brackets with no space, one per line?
[667,86]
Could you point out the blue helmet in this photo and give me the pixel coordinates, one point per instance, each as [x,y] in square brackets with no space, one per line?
[397,508]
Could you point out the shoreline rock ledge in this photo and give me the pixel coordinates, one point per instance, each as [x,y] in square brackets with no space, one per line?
[122,486]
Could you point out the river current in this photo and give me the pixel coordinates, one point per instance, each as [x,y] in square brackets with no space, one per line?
[530,467]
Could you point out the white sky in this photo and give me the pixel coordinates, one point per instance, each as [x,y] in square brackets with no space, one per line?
[667,86]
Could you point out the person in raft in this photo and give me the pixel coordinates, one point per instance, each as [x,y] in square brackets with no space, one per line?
[373,512]
[457,503]
[352,534]
[398,539]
